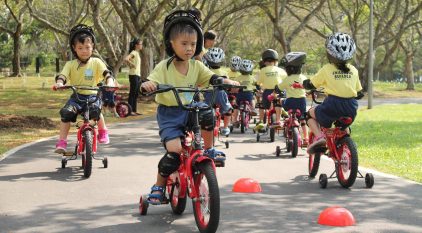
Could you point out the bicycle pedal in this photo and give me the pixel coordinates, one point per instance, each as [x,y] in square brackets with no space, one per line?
[68,153]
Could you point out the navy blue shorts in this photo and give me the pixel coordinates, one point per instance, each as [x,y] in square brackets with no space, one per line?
[296,103]
[174,121]
[244,95]
[265,103]
[108,99]
[333,108]
[94,108]
[221,99]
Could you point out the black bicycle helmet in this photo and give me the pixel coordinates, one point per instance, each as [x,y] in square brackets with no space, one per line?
[269,54]
[293,59]
[79,29]
[186,17]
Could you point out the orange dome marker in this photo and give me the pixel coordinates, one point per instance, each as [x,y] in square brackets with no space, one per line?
[246,185]
[336,216]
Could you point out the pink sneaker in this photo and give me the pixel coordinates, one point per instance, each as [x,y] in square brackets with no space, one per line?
[103,136]
[61,146]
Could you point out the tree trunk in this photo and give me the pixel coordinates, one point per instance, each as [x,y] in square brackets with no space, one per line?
[16,49]
[408,71]
[145,61]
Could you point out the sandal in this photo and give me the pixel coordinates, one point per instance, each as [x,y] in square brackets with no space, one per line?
[158,196]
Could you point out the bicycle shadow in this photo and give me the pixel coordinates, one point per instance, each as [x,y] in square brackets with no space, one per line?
[68,174]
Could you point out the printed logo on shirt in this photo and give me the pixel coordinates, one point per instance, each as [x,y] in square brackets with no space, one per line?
[339,75]
[271,74]
[89,74]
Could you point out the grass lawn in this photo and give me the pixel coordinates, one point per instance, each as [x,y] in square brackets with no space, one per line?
[32,96]
[389,139]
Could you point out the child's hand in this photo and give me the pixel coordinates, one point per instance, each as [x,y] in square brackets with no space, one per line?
[58,85]
[148,86]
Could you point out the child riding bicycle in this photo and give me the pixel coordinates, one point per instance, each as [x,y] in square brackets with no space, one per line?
[234,67]
[295,97]
[183,40]
[82,71]
[341,83]
[214,57]
[269,77]
[245,79]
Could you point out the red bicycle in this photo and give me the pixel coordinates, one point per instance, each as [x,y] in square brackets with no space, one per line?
[341,148]
[196,176]
[291,133]
[244,116]
[270,118]
[86,146]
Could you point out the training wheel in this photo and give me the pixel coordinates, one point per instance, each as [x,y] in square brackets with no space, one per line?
[277,151]
[227,144]
[257,137]
[105,162]
[143,205]
[323,180]
[64,162]
[369,180]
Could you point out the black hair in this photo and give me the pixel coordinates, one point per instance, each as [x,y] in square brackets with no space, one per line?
[341,65]
[133,43]
[261,64]
[81,37]
[210,35]
[244,72]
[293,70]
[180,28]
[270,60]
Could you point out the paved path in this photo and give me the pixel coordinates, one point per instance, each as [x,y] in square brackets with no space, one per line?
[36,195]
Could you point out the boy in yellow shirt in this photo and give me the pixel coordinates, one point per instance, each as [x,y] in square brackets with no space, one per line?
[295,97]
[245,79]
[82,71]
[269,77]
[215,58]
[341,83]
[183,40]
[234,67]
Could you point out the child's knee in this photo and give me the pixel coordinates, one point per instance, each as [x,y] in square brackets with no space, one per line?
[68,113]
[168,164]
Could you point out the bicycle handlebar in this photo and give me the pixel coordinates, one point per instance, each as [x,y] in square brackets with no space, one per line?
[75,88]
[161,88]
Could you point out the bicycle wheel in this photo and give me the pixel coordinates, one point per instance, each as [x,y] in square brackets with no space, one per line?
[207,206]
[87,137]
[123,109]
[313,161]
[178,204]
[295,141]
[242,122]
[347,167]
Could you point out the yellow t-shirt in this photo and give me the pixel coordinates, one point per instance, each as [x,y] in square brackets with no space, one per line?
[233,75]
[88,75]
[270,76]
[136,59]
[248,81]
[198,75]
[287,85]
[337,83]
[219,72]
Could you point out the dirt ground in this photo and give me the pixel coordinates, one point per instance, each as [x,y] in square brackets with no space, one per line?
[25,122]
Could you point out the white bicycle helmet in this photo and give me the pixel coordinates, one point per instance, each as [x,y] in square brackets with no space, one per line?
[246,66]
[215,56]
[235,63]
[340,46]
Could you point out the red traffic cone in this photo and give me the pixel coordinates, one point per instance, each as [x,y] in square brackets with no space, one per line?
[246,185]
[336,216]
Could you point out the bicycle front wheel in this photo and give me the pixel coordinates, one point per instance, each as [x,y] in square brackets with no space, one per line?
[347,167]
[206,207]
[178,204]
[87,156]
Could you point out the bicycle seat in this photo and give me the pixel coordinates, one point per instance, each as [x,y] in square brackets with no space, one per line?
[343,122]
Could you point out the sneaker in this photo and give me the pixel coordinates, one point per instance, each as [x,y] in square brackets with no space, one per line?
[276,124]
[103,136]
[225,131]
[260,126]
[319,142]
[61,146]
[215,154]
